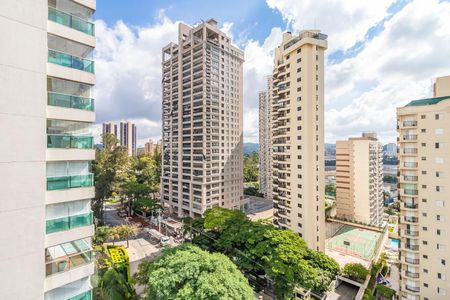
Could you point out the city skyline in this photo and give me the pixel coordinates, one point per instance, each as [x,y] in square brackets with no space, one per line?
[357,98]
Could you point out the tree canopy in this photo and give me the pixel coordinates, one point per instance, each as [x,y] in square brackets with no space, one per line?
[187,272]
[259,249]
[251,163]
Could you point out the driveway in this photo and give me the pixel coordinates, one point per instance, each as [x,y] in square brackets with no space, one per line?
[110,215]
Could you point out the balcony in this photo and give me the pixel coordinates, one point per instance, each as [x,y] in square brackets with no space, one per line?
[410,178]
[71,21]
[411,219]
[409,123]
[410,151]
[69,182]
[410,137]
[83,296]
[411,205]
[414,289]
[412,247]
[67,60]
[411,274]
[68,223]
[69,141]
[411,192]
[410,164]
[67,256]
[413,261]
[70,101]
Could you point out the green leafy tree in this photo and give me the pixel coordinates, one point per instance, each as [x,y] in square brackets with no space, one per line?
[251,163]
[146,205]
[187,272]
[127,231]
[113,286]
[355,271]
[330,189]
[111,168]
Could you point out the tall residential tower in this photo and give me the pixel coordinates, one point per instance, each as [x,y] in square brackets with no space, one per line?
[46,109]
[127,133]
[359,179]
[265,140]
[202,121]
[298,135]
[424,182]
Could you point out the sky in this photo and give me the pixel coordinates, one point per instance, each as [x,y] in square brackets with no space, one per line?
[381,55]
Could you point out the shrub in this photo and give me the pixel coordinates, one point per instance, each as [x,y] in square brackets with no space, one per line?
[384,292]
[356,272]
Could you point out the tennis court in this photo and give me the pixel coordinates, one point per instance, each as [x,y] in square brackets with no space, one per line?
[355,241]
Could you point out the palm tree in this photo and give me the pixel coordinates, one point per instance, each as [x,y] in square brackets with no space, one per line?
[127,231]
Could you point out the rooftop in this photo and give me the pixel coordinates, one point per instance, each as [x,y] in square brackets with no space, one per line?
[427,101]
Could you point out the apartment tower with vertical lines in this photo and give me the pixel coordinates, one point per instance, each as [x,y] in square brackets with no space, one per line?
[265,140]
[424,183]
[298,135]
[202,115]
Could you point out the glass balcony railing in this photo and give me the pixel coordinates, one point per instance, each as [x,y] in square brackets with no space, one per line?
[69,141]
[67,60]
[70,101]
[67,223]
[68,263]
[83,296]
[70,21]
[69,182]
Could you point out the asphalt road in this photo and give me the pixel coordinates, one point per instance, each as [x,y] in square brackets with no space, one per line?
[111,217]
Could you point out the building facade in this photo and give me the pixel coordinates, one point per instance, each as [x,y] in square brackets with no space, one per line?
[298,136]
[127,133]
[265,140]
[359,179]
[202,121]
[151,147]
[110,128]
[424,168]
[46,110]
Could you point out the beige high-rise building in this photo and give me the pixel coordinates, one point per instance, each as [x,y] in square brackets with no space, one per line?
[424,184]
[298,135]
[150,147]
[265,140]
[46,110]
[359,179]
[127,133]
[202,121]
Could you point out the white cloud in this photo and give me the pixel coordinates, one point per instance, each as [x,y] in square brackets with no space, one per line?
[128,68]
[395,67]
[345,21]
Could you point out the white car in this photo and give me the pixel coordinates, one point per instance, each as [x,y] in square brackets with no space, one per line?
[164,241]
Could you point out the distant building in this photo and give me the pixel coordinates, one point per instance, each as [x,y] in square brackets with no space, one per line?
[128,137]
[424,169]
[390,149]
[110,128]
[150,147]
[359,179]
[265,141]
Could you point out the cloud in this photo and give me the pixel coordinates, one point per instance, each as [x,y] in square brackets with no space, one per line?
[345,21]
[128,68]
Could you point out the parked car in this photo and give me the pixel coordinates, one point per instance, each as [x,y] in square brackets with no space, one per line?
[122,213]
[164,241]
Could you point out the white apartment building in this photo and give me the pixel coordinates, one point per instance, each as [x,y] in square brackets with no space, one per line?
[359,179]
[424,184]
[265,140]
[128,139]
[202,121]
[47,76]
[298,136]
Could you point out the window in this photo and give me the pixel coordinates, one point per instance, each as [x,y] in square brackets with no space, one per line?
[439,160]
[423,130]
[422,116]
[440,203]
[437,145]
[438,232]
[436,116]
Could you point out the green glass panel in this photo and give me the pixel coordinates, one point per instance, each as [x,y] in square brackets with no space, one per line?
[67,60]
[57,225]
[84,296]
[58,141]
[81,142]
[62,100]
[81,181]
[70,21]
[58,183]
[81,220]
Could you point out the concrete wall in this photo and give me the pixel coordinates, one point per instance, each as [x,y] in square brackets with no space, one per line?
[23,56]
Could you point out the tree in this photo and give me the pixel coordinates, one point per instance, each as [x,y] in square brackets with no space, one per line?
[187,272]
[127,231]
[330,189]
[390,178]
[355,271]
[113,286]
[251,163]
[146,205]
[111,168]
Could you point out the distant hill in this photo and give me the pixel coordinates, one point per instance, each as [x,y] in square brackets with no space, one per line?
[250,147]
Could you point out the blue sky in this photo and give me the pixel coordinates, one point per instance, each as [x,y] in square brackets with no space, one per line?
[381,54]
[251,17]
